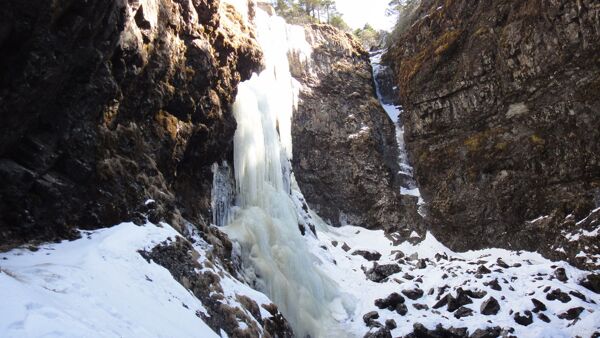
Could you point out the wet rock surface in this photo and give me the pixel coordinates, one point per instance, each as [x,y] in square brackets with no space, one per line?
[107,104]
[501,106]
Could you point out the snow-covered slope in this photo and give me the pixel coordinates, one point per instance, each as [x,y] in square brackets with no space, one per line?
[437,271]
[102,286]
[97,286]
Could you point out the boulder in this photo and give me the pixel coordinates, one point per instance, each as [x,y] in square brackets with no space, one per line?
[490,307]
[380,272]
[525,319]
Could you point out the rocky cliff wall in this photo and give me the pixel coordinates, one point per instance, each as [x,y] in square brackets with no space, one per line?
[106,104]
[502,121]
[345,152]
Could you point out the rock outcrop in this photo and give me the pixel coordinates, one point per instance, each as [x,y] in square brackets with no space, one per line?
[113,111]
[240,317]
[502,122]
[345,152]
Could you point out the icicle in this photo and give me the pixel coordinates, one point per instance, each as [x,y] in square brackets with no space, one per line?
[221,194]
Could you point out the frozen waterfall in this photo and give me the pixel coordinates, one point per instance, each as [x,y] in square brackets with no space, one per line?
[274,255]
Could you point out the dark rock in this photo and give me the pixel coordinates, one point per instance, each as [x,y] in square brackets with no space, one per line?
[368,255]
[487,138]
[525,319]
[380,272]
[421,264]
[439,256]
[461,299]
[538,306]
[477,294]
[420,331]
[390,302]
[578,294]
[490,332]
[483,270]
[408,276]
[369,316]
[591,282]
[463,312]
[401,309]
[571,314]
[420,306]
[494,285]
[382,332]
[180,259]
[501,263]
[557,294]
[442,302]
[101,112]
[346,164]
[490,307]
[561,274]
[398,254]
[413,294]
[345,247]
[543,317]
[390,324]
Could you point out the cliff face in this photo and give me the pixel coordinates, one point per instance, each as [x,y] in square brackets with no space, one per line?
[502,122]
[345,152]
[106,104]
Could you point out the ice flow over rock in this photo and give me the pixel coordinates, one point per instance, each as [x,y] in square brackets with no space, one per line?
[274,255]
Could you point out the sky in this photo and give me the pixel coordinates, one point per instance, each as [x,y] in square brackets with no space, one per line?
[359,12]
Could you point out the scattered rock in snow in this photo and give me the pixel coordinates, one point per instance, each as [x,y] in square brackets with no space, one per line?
[421,264]
[543,317]
[572,313]
[501,263]
[380,272]
[557,294]
[591,282]
[538,306]
[390,324]
[369,316]
[525,319]
[401,309]
[561,274]
[483,270]
[420,307]
[413,294]
[381,332]
[463,312]
[578,295]
[490,307]
[460,300]
[477,294]
[420,331]
[490,332]
[345,247]
[398,254]
[368,255]
[390,302]
[493,284]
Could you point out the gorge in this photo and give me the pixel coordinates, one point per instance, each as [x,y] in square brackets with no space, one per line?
[203,168]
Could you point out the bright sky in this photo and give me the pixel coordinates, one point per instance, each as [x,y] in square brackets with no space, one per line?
[359,12]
